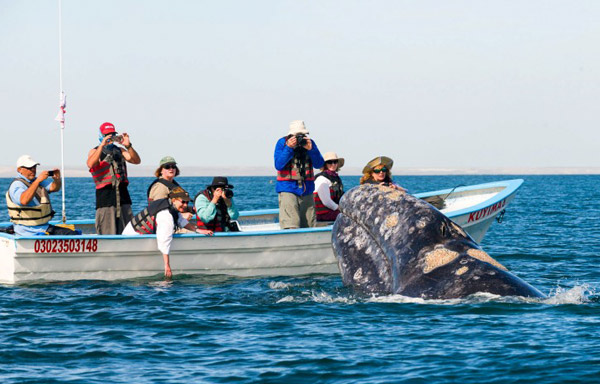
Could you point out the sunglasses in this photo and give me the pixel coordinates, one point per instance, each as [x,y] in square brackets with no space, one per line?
[331,162]
[380,170]
[170,166]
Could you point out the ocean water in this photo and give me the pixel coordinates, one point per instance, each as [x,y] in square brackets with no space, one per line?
[312,329]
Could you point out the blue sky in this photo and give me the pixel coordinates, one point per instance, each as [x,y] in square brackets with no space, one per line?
[458,84]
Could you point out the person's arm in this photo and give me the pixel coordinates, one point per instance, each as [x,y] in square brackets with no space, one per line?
[283,154]
[165,226]
[316,157]
[191,227]
[205,209]
[233,211]
[94,154]
[130,154]
[56,182]
[29,193]
[322,188]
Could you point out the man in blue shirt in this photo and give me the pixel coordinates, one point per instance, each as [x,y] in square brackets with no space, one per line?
[28,200]
[295,157]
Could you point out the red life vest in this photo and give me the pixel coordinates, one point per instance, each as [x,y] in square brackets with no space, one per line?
[144,222]
[299,168]
[336,190]
[221,219]
[111,170]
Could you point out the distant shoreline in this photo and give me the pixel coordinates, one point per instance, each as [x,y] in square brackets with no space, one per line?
[147,171]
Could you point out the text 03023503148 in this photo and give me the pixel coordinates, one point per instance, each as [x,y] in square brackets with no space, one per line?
[65,246]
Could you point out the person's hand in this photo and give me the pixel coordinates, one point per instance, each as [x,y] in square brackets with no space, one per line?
[42,176]
[187,215]
[308,145]
[217,194]
[105,141]
[204,232]
[168,273]
[126,141]
[292,142]
[397,187]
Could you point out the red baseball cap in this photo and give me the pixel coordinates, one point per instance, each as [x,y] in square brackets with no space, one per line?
[107,128]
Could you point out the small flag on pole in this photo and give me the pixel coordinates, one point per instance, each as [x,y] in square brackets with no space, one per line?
[63,109]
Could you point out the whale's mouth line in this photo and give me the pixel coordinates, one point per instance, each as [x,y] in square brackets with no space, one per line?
[390,260]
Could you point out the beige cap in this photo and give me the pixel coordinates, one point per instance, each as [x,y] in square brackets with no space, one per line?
[333,156]
[26,161]
[297,127]
[389,163]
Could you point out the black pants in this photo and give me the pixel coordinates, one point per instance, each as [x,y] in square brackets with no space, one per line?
[60,231]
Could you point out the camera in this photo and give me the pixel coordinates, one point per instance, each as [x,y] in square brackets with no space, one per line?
[51,173]
[116,139]
[228,193]
[300,140]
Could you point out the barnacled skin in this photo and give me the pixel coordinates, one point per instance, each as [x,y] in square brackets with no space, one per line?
[388,241]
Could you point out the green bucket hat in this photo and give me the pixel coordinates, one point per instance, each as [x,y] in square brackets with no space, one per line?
[167,160]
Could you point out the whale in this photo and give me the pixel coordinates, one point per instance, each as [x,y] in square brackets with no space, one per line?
[389,242]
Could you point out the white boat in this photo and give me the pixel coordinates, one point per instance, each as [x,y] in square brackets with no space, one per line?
[260,249]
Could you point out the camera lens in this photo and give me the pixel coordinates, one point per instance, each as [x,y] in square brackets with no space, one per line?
[228,193]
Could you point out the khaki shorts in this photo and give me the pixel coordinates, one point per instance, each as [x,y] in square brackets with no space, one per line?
[107,222]
[296,211]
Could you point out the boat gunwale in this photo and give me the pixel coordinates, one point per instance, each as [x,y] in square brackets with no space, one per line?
[510,187]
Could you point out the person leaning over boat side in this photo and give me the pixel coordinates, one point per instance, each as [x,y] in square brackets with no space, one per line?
[162,217]
[379,171]
[328,188]
[215,207]
[28,200]
[295,156]
[108,165]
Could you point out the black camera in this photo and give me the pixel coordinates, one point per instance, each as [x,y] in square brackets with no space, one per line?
[228,193]
[300,140]
[50,173]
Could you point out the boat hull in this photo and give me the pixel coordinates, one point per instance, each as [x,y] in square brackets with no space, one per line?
[266,251]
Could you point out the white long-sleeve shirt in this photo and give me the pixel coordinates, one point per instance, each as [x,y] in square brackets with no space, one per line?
[165,227]
[322,185]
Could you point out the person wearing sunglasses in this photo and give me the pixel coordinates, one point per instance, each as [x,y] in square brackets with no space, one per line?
[165,179]
[163,217]
[108,165]
[328,188]
[379,171]
[28,200]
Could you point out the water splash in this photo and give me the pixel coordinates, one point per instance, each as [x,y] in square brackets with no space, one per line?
[579,294]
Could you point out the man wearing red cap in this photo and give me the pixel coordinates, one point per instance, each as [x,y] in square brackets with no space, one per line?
[108,165]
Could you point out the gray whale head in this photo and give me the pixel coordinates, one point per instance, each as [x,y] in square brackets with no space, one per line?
[390,242]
